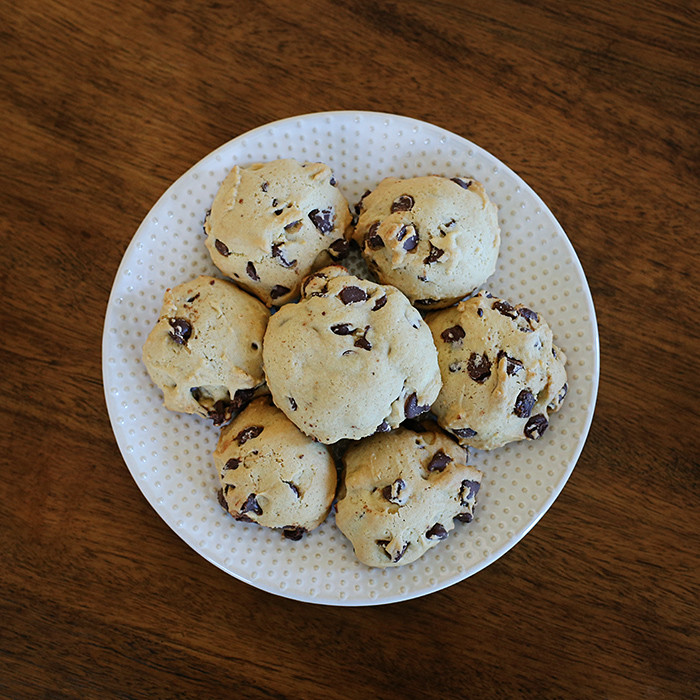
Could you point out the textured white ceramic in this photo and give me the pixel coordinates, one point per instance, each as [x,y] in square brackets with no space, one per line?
[169,454]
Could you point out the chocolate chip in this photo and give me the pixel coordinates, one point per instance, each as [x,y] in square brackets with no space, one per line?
[222,248]
[248,434]
[453,334]
[397,555]
[464,432]
[292,403]
[436,532]
[535,427]
[278,252]
[379,303]
[362,341]
[232,463]
[392,492]
[251,505]
[241,398]
[439,461]
[181,330]
[383,427]
[220,412]
[339,249]
[350,295]
[465,517]
[468,491]
[524,403]
[462,183]
[411,243]
[480,312]
[292,486]
[529,314]
[222,500]
[479,367]
[434,255]
[316,275]
[274,204]
[505,308]
[403,203]
[513,366]
[250,269]
[455,367]
[332,181]
[342,329]
[374,242]
[279,291]
[294,533]
[322,219]
[264,186]
[412,409]
[194,298]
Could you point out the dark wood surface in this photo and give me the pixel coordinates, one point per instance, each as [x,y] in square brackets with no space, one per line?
[594,104]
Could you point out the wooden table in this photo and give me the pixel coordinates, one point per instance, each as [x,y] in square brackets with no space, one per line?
[105,104]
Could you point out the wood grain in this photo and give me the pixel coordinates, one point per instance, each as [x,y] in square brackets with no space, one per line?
[593,103]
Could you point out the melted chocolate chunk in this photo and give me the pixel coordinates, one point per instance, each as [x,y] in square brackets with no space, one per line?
[402,233]
[513,366]
[372,239]
[479,367]
[339,249]
[535,427]
[194,298]
[350,295]
[392,492]
[316,275]
[322,219]
[403,203]
[232,463]
[250,270]
[462,183]
[221,499]
[248,434]
[464,432]
[222,248]
[383,427]
[503,307]
[181,330]
[453,334]
[468,491]
[251,505]
[278,211]
[278,252]
[434,255]
[529,314]
[220,412]
[436,532]
[379,303]
[292,403]
[524,403]
[294,533]
[279,291]
[465,517]
[439,461]
[412,408]
[342,329]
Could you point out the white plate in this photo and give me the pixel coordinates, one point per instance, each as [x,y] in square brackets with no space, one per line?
[169,454]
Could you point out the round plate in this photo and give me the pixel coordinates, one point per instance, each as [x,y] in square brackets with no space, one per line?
[170,454]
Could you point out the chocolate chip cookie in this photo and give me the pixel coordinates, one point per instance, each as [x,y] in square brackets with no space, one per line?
[350,359]
[272,223]
[401,493]
[205,351]
[272,474]
[502,375]
[434,238]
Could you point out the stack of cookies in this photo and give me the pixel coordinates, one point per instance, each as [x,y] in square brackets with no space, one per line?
[393,376]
